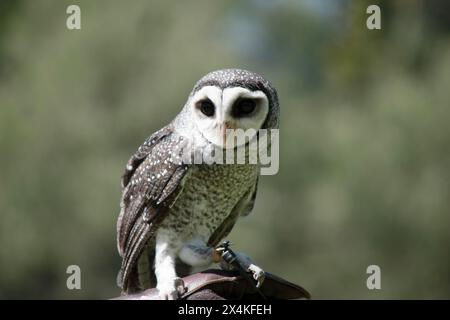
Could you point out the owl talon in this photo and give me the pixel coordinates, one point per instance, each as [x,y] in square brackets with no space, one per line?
[258,274]
[173,291]
[181,288]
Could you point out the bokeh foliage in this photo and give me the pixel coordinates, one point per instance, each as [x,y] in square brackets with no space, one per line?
[365,141]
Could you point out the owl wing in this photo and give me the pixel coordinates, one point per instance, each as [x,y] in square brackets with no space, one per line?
[151,183]
[243,207]
[142,152]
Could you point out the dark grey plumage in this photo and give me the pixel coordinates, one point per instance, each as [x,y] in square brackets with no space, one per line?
[150,184]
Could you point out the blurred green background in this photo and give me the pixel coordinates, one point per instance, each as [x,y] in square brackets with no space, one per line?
[365,136]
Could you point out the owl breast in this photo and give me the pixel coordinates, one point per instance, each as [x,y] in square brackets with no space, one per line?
[210,193]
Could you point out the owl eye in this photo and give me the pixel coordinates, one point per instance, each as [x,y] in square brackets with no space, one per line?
[244,107]
[206,107]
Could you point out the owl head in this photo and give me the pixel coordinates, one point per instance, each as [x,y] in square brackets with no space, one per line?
[231,99]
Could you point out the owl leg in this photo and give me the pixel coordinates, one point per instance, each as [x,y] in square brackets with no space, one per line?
[247,263]
[197,254]
[169,285]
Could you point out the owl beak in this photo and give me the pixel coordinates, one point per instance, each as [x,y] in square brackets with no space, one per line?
[227,125]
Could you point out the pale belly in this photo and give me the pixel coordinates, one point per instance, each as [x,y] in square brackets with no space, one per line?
[209,195]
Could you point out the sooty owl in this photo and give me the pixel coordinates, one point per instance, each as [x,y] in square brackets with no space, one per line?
[174,213]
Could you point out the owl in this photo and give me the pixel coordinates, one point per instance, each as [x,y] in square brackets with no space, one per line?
[174,212]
